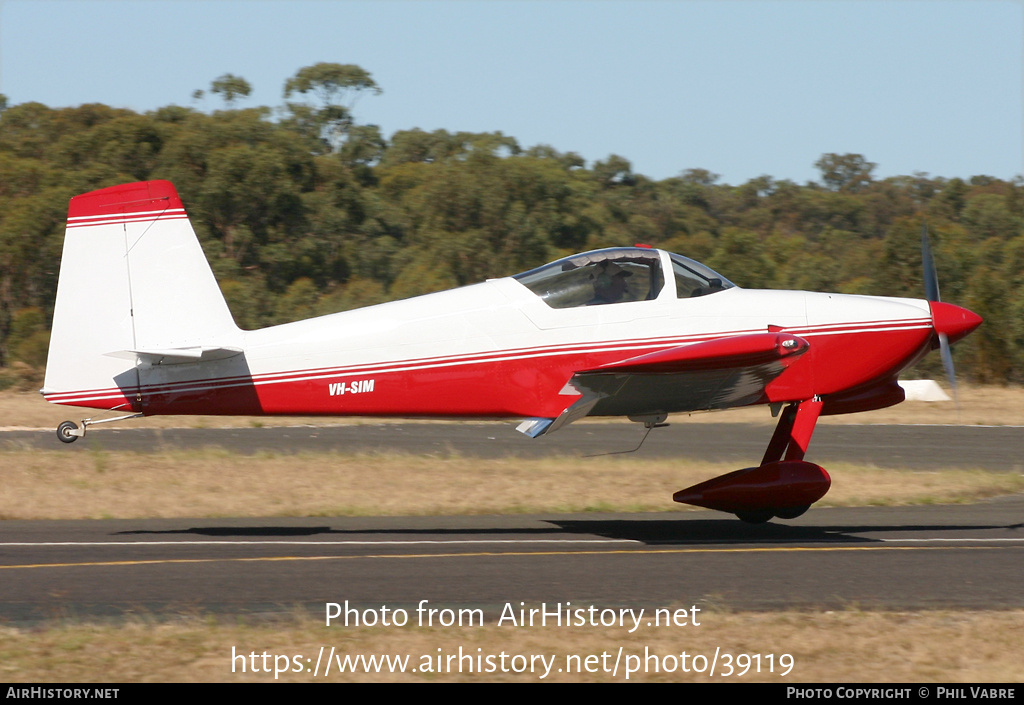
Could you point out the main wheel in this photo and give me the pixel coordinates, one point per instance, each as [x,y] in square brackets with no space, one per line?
[755,516]
[64,432]
[791,512]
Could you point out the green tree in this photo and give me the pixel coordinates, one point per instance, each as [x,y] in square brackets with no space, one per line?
[313,213]
[845,172]
[699,176]
[28,337]
[987,216]
[614,171]
[336,88]
[230,88]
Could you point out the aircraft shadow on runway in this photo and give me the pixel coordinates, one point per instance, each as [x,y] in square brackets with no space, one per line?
[646,531]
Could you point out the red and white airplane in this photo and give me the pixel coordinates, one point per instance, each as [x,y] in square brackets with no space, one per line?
[140,326]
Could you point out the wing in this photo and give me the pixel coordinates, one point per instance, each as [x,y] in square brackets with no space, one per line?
[715,374]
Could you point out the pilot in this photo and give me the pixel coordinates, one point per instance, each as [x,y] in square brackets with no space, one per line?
[609,284]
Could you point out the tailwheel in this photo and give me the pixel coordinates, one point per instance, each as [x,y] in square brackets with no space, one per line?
[755,516]
[68,432]
[791,512]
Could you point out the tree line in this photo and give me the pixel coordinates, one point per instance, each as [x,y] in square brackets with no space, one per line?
[304,211]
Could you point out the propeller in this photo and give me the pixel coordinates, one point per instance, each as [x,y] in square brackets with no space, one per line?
[946,319]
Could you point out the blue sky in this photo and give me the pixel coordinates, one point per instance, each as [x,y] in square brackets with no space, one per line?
[739,87]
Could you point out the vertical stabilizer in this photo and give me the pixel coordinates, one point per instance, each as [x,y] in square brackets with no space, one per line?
[133,282]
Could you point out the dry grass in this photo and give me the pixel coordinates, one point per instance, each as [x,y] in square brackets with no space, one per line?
[847,646]
[213,482]
[839,647]
[986,406]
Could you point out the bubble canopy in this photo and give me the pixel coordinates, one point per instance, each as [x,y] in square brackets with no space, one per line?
[620,275]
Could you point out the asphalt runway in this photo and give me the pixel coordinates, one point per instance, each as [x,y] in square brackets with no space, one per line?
[896,558]
[916,447]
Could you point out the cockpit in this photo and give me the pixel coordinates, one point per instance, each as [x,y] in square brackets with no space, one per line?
[620,275]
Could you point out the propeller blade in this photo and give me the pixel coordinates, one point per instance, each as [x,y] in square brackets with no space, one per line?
[931,279]
[931,291]
[947,362]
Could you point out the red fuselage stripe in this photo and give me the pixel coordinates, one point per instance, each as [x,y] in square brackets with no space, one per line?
[535,373]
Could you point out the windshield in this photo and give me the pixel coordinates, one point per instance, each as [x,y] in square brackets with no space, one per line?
[694,279]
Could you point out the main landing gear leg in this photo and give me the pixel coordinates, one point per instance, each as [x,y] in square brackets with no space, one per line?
[793,432]
[783,485]
[780,439]
[792,436]
[69,432]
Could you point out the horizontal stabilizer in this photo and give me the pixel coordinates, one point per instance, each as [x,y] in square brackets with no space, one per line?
[177,356]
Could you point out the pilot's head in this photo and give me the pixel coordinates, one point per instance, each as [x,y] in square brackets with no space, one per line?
[610,282]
